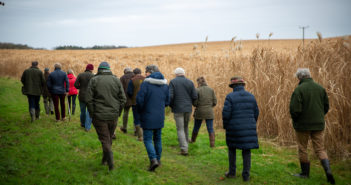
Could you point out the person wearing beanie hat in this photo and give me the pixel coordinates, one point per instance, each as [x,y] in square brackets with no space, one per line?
[308,106]
[151,101]
[104,65]
[182,94]
[89,67]
[240,114]
[33,84]
[81,83]
[128,75]
[204,110]
[58,85]
[48,101]
[105,99]
[132,91]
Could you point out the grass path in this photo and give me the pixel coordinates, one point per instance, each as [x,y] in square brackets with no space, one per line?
[46,152]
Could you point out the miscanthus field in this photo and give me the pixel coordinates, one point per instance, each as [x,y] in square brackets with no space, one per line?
[45,152]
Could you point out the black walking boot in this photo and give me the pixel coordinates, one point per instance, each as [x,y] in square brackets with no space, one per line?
[37,113]
[328,173]
[109,156]
[305,170]
[73,109]
[193,137]
[153,165]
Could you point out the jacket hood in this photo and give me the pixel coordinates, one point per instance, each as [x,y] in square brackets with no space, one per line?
[70,76]
[156,78]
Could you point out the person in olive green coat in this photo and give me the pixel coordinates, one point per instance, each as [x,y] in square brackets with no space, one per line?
[206,100]
[308,106]
[33,84]
[105,98]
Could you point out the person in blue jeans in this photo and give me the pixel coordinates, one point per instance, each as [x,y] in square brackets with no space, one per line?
[81,83]
[152,99]
[206,100]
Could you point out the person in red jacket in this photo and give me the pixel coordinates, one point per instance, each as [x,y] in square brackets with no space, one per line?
[72,94]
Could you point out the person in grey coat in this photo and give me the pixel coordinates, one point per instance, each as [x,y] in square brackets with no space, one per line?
[182,95]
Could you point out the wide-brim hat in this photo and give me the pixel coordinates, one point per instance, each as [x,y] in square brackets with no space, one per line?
[236,80]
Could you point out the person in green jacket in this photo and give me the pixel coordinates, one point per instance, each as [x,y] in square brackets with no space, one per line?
[33,84]
[105,98]
[308,106]
[206,100]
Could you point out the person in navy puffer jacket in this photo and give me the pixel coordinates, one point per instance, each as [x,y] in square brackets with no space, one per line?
[58,86]
[151,101]
[240,114]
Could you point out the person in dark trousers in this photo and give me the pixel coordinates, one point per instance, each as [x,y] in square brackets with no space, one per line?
[132,91]
[240,114]
[33,85]
[48,102]
[72,94]
[128,75]
[105,99]
[81,83]
[206,100]
[182,94]
[58,85]
[152,99]
[308,106]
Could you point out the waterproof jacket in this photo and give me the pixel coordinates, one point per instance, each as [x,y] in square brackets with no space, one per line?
[72,89]
[58,82]
[81,83]
[240,114]
[182,94]
[125,81]
[105,96]
[206,100]
[309,103]
[46,92]
[152,99]
[33,81]
[134,87]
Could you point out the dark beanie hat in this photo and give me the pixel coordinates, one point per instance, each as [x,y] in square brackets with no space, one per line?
[104,65]
[136,71]
[46,69]
[236,80]
[151,69]
[90,67]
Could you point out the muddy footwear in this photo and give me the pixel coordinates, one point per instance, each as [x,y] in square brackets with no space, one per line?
[109,156]
[229,175]
[139,132]
[212,140]
[32,115]
[183,152]
[193,137]
[305,170]
[123,130]
[153,165]
[114,136]
[328,173]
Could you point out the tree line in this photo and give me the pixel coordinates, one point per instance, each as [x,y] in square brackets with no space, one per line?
[4,45]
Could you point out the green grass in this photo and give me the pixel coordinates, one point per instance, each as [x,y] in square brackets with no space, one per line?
[47,152]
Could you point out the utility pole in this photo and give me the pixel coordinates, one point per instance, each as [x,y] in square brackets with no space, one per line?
[303,35]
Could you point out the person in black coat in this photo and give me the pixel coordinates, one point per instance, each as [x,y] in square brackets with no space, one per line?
[240,114]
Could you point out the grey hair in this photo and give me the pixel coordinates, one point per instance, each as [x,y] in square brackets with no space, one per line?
[302,73]
[57,66]
[127,69]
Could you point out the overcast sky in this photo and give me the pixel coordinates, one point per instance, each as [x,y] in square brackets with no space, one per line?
[49,23]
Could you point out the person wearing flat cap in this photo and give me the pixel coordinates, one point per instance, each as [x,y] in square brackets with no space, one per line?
[240,114]
[81,83]
[105,99]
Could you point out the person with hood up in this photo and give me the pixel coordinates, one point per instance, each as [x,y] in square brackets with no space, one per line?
[152,99]
[72,94]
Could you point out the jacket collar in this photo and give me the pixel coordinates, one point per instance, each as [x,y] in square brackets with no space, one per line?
[239,88]
[305,80]
[104,72]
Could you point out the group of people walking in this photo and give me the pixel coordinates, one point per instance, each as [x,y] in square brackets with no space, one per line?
[103,97]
